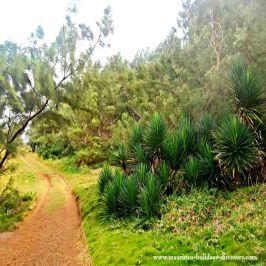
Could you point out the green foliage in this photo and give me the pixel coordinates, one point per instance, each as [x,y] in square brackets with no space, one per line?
[248,92]
[128,196]
[136,136]
[120,156]
[188,133]
[207,127]
[110,197]
[53,146]
[104,179]
[209,171]
[155,135]
[163,173]
[235,146]
[150,197]
[140,154]
[174,150]
[191,171]
[136,144]
[13,205]
[89,156]
[31,77]
[141,172]
[187,223]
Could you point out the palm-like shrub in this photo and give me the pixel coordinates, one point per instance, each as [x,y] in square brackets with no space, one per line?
[191,171]
[136,136]
[247,91]
[163,173]
[155,135]
[141,173]
[189,135]
[120,157]
[150,197]
[135,144]
[207,127]
[105,177]
[111,194]
[140,154]
[209,170]
[128,196]
[174,150]
[235,146]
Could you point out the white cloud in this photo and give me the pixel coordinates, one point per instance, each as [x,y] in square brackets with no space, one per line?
[138,23]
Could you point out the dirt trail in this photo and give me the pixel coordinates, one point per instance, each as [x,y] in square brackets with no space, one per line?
[51,234]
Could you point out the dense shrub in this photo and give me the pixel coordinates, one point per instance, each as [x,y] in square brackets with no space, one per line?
[123,196]
[156,162]
[12,206]
[53,146]
[111,194]
[150,197]
[88,156]
[163,173]
[174,150]
[235,146]
[128,196]
[140,174]
[191,171]
[154,136]
[248,93]
[105,177]
[209,169]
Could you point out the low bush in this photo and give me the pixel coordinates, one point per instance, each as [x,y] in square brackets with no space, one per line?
[234,142]
[123,196]
[105,177]
[88,156]
[110,196]
[12,206]
[128,197]
[150,197]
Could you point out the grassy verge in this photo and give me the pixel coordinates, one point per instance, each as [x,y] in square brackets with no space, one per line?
[203,222]
[19,188]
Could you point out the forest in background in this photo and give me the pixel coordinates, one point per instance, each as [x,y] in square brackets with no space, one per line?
[85,109]
[182,76]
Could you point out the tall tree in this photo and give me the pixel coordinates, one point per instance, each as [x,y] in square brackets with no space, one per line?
[32,77]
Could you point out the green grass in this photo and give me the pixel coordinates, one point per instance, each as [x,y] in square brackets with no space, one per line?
[218,223]
[21,194]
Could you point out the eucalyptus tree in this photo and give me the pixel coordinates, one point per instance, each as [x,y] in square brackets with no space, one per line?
[32,78]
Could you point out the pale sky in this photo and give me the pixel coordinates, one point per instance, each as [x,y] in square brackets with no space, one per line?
[138,23]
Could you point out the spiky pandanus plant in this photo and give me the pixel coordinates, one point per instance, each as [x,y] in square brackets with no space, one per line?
[235,147]
[110,196]
[136,145]
[120,157]
[250,104]
[209,168]
[153,140]
[140,173]
[163,174]
[127,198]
[105,177]
[189,134]
[248,93]
[207,126]
[174,150]
[151,197]
[191,171]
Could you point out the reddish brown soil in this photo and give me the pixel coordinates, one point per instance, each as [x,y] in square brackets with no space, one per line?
[46,238]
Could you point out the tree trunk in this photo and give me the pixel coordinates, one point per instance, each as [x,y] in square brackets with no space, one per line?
[3,160]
